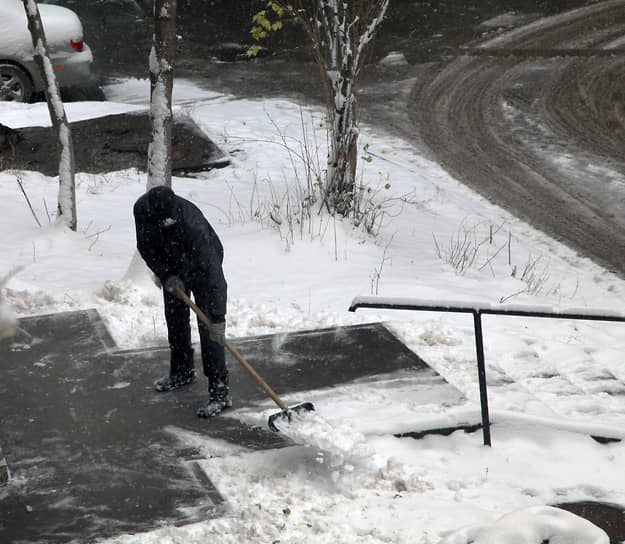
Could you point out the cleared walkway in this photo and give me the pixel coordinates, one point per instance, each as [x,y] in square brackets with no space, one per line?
[92,447]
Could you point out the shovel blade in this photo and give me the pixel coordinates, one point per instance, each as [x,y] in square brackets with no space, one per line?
[288,413]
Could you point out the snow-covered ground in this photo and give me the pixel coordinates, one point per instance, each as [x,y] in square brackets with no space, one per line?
[352,480]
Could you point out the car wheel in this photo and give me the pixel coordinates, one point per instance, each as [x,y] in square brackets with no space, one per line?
[15,85]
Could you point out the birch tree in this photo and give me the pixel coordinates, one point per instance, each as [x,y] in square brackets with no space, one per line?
[161,66]
[66,207]
[161,62]
[341,33]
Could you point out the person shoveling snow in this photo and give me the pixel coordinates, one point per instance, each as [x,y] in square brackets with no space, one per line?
[184,252]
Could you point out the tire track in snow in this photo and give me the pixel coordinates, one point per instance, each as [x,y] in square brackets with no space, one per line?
[461,114]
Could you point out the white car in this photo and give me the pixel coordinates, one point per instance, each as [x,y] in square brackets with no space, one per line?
[71,57]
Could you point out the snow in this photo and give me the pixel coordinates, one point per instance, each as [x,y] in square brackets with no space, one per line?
[351,480]
[394,58]
[23,115]
[8,321]
[551,525]
[540,23]
[60,25]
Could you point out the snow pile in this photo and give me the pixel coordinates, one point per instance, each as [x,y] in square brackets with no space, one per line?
[341,447]
[8,319]
[533,525]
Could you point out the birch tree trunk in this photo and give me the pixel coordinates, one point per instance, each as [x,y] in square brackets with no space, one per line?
[161,63]
[66,206]
[340,33]
[162,57]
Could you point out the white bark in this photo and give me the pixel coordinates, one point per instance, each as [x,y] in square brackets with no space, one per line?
[66,206]
[161,63]
[340,33]
[161,78]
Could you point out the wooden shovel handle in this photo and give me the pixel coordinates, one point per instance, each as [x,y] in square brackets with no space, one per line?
[234,352]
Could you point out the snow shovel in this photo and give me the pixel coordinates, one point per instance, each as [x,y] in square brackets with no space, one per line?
[286,412]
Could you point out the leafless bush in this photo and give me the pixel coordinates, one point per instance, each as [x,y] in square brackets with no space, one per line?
[479,246]
[535,277]
[377,272]
[20,183]
[469,248]
[295,207]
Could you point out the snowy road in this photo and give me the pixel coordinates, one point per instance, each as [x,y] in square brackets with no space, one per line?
[533,120]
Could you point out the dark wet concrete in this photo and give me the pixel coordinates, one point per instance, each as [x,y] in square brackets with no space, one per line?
[108,144]
[93,449]
[609,517]
[120,31]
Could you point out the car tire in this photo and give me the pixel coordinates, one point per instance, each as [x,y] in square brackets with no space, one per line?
[15,84]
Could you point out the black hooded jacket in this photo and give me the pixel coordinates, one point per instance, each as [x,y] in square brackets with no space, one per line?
[175,239]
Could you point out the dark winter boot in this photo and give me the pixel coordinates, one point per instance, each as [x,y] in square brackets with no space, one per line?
[174,381]
[218,401]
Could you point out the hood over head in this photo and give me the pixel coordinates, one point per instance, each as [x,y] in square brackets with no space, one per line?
[162,204]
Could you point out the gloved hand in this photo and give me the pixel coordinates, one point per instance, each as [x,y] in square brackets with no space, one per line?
[217,332]
[172,284]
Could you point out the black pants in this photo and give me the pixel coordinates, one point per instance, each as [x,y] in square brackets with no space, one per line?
[179,334]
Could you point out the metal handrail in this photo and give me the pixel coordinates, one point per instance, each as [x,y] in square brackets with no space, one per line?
[477,309]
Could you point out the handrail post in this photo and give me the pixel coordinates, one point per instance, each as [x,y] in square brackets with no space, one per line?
[481,373]
[4,470]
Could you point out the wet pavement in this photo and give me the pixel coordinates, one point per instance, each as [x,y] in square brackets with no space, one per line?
[120,31]
[94,451]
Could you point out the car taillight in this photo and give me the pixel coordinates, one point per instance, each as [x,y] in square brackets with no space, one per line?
[79,45]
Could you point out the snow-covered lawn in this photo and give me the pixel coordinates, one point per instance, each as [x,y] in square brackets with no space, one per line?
[291,270]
